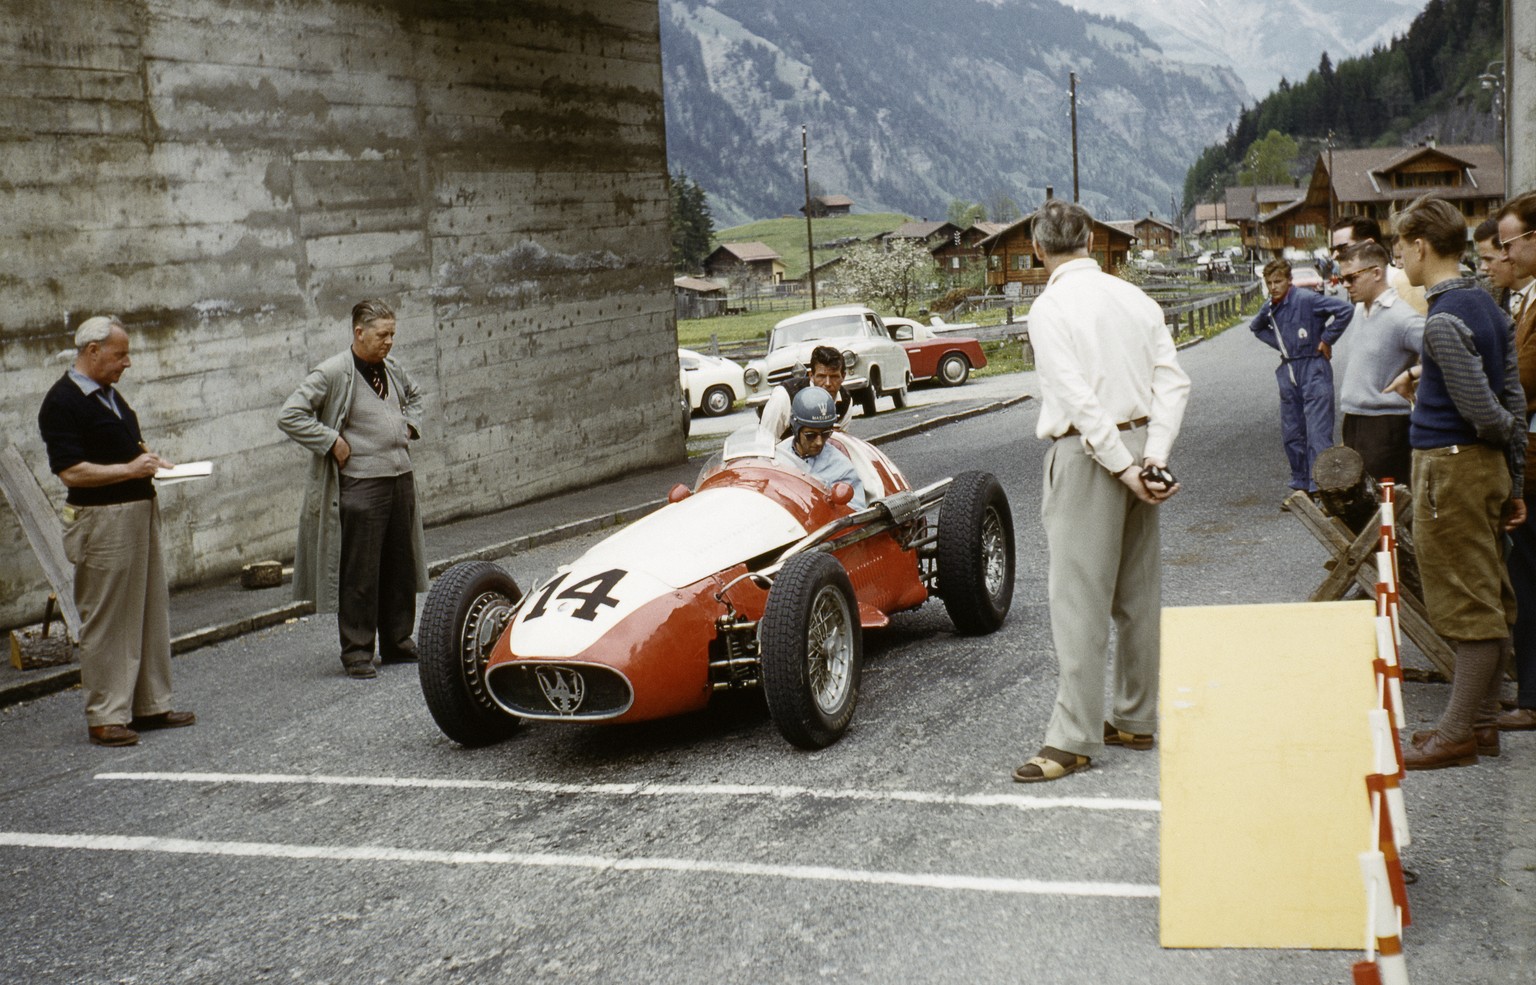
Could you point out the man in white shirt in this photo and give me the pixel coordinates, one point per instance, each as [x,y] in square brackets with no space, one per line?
[1112,400]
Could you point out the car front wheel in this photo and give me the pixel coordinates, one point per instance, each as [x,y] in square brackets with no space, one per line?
[812,650]
[464,616]
[899,395]
[717,401]
[954,369]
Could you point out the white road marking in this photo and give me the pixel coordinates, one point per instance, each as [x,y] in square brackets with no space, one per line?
[655,790]
[381,853]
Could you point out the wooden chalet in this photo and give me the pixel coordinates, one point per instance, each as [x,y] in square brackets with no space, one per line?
[961,254]
[1153,233]
[1211,219]
[829,205]
[733,261]
[1011,254]
[1373,182]
[1246,204]
[698,298]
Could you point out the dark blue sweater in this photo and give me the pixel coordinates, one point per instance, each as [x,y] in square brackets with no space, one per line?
[77,428]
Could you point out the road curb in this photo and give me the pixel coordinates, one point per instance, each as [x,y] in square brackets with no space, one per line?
[62,678]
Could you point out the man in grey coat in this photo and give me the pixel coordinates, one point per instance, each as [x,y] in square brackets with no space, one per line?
[361,551]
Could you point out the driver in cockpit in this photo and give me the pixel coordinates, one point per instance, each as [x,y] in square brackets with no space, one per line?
[812,417]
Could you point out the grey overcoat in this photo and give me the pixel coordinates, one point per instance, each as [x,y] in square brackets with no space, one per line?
[314,415]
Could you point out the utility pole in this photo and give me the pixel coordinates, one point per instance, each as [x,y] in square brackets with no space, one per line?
[810,242]
[1072,78]
[1329,234]
[1178,220]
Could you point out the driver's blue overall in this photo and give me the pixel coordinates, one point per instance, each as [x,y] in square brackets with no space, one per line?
[1295,326]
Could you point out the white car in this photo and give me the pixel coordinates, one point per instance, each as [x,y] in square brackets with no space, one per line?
[713,384]
[874,365]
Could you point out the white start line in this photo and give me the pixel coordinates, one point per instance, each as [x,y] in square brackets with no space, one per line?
[1014,801]
[388,854]
[597,863]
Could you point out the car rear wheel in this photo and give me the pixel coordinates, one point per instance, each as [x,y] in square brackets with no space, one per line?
[812,650]
[464,616]
[975,553]
[717,401]
[954,369]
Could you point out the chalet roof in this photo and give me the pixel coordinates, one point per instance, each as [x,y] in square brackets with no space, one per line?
[1240,199]
[833,201]
[698,284]
[749,252]
[1361,175]
[1029,219]
[918,230]
[989,228]
[1127,226]
[1281,210]
[1210,211]
[1155,221]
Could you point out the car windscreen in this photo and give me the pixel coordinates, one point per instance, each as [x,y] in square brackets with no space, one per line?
[831,327]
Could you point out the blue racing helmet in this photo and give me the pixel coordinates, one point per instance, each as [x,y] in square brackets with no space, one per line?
[812,407]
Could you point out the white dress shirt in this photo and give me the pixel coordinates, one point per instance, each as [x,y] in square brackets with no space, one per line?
[1104,357]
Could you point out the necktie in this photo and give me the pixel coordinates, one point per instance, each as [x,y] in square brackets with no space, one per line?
[376,380]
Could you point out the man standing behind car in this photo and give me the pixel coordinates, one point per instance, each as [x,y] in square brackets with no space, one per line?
[1112,400]
[827,372]
[1303,325]
[361,552]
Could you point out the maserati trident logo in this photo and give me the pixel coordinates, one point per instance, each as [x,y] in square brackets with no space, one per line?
[563,688]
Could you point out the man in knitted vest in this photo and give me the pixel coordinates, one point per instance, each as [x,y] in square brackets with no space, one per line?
[1468,436]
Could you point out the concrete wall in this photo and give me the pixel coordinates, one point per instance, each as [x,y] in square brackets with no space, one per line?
[230,176]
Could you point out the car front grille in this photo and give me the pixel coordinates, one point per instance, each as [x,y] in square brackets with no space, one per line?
[560,691]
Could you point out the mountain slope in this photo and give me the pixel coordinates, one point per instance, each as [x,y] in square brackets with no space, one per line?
[1262,42]
[926,102]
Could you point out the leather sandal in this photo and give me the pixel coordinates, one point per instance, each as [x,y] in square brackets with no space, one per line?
[1051,764]
[1130,740]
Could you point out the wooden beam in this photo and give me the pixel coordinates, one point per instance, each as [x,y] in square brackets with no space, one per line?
[44,532]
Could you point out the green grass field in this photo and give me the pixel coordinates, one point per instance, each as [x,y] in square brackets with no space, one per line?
[787,236]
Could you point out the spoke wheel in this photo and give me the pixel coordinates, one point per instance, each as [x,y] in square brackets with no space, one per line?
[975,553]
[812,650]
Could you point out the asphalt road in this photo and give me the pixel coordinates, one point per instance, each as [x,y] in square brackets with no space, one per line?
[317,829]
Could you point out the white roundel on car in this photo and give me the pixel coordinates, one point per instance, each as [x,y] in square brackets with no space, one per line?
[667,550]
[709,531]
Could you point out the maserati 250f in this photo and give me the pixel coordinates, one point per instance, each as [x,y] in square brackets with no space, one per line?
[758,577]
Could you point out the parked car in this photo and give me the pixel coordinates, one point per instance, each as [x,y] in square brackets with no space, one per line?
[714,384]
[742,582]
[946,358]
[1308,277]
[875,364]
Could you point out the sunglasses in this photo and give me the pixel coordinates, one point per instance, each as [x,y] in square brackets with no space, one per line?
[1349,279]
[1504,243]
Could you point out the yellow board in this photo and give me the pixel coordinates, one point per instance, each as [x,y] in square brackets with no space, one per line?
[1265,748]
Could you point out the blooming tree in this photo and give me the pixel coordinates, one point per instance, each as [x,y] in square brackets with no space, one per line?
[887,276]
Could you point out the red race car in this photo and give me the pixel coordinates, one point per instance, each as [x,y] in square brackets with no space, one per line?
[758,577]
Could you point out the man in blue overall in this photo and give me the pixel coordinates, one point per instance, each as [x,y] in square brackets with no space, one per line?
[1303,325]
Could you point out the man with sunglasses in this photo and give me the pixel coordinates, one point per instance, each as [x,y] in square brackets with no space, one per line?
[1511,289]
[1356,229]
[1517,257]
[812,416]
[1385,338]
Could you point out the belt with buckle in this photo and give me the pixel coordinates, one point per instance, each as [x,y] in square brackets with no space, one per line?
[1140,422]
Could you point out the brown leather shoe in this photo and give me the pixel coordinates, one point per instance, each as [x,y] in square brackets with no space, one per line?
[1517,720]
[166,719]
[1487,737]
[1428,751]
[113,735]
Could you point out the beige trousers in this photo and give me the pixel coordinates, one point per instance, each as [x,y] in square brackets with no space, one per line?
[125,633]
[1105,566]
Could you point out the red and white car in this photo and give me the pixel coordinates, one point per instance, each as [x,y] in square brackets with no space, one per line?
[946,358]
[759,577]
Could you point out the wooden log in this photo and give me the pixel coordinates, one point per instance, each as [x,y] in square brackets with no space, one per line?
[44,531]
[1346,490]
[34,648]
